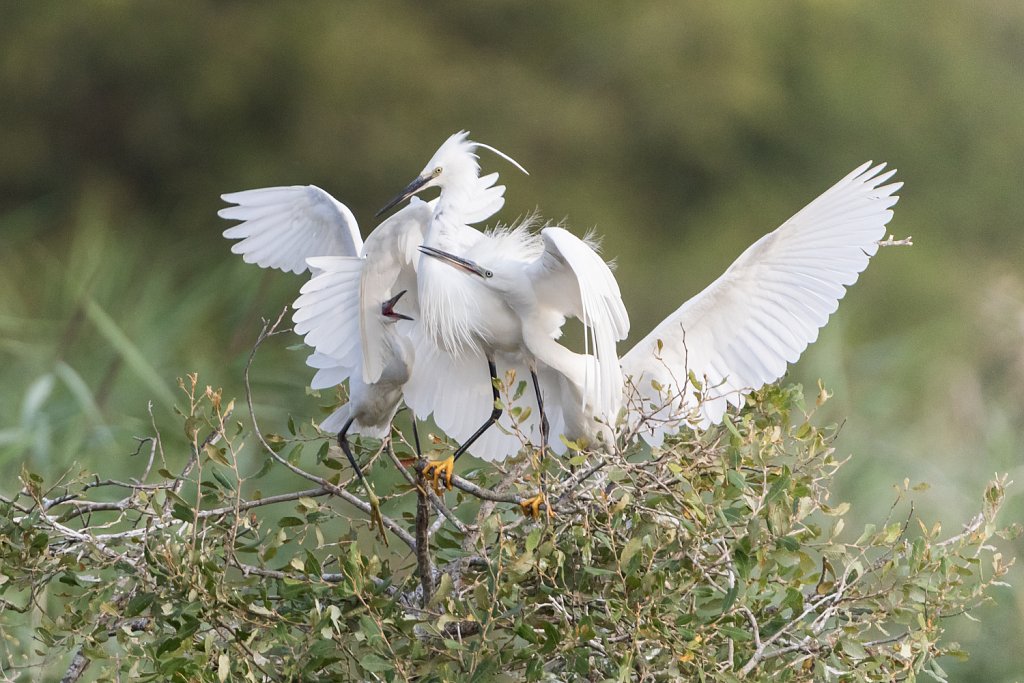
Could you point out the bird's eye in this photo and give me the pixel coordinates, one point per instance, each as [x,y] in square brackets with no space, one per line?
[437,171]
[488,273]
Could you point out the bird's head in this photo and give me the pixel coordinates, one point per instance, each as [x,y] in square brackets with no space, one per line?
[454,166]
[497,280]
[387,309]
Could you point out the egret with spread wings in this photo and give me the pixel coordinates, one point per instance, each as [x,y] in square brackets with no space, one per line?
[734,337]
[531,293]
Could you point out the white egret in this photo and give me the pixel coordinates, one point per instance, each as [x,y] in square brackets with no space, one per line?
[734,337]
[299,228]
[284,226]
[371,406]
[460,325]
[536,293]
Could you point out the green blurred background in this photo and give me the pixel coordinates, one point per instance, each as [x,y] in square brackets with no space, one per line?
[681,131]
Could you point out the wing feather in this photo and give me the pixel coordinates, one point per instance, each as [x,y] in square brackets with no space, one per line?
[574,280]
[391,257]
[327,310]
[283,226]
[741,331]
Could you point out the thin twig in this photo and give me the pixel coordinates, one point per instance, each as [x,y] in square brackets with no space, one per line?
[969,530]
[907,241]
[269,330]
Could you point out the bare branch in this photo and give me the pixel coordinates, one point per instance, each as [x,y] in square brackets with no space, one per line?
[434,498]
[969,530]
[269,330]
[424,566]
[907,241]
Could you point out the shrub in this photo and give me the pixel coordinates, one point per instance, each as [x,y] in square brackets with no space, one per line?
[717,557]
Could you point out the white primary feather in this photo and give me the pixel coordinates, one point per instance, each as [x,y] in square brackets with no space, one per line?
[329,372]
[742,330]
[327,312]
[283,226]
[573,279]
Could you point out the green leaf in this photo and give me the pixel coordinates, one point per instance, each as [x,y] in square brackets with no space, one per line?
[869,531]
[138,604]
[257,608]
[533,540]
[552,637]
[183,512]
[216,454]
[442,591]
[321,453]
[730,597]
[632,547]
[854,648]
[221,479]
[520,389]
[223,667]
[727,421]
[375,663]
[779,486]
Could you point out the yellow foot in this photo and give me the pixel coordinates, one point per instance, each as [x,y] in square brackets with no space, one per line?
[440,471]
[531,506]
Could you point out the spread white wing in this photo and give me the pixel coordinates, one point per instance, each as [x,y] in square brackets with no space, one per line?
[741,331]
[283,226]
[327,311]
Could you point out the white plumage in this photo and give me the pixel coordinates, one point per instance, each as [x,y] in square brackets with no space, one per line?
[536,292]
[371,406]
[283,226]
[741,331]
[737,335]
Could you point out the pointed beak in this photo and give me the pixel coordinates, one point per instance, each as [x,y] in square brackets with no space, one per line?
[454,261]
[388,307]
[409,190]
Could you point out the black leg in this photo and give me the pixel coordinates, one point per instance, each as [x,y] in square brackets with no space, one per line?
[544,428]
[415,435]
[495,412]
[343,442]
[376,521]
[544,435]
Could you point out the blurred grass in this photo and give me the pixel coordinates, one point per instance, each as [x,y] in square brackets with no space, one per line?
[681,131]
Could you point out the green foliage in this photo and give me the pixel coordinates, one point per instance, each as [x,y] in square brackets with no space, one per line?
[719,557]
